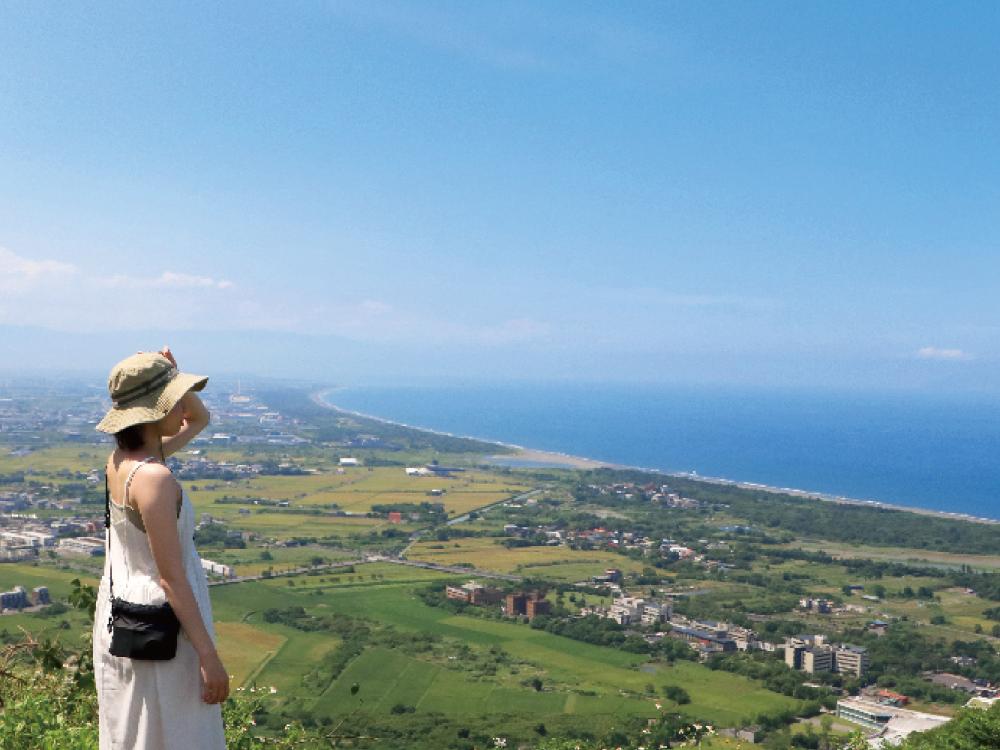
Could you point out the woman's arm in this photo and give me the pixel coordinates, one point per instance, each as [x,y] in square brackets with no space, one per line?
[155,494]
[196,419]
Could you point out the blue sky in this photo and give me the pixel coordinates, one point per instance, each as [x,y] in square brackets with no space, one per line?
[763,193]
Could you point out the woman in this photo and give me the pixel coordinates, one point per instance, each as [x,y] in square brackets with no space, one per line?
[172,704]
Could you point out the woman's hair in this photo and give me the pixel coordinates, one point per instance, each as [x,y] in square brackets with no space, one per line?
[131,438]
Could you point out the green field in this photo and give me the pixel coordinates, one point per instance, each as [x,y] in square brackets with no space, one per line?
[579,678]
[489,553]
[358,489]
[898,554]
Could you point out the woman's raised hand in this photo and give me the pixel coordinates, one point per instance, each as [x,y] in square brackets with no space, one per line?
[165,351]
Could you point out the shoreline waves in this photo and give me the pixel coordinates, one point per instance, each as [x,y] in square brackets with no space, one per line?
[532,457]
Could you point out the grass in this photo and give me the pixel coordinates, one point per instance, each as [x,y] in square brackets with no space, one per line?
[248,562]
[569,666]
[359,489]
[244,648]
[488,553]
[386,677]
[298,654]
[30,576]
[898,554]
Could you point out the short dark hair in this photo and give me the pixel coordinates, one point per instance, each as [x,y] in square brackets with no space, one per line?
[131,438]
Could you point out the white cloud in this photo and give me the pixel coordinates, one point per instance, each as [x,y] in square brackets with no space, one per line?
[65,298]
[18,273]
[168,279]
[933,352]
[62,296]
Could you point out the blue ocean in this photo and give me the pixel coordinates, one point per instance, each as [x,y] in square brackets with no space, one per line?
[935,452]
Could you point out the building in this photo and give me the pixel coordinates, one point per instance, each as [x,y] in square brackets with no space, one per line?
[534,607]
[851,660]
[893,724]
[90,546]
[653,613]
[528,604]
[226,571]
[348,461]
[40,595]
[891,698]
[627,610]
[474,593]
[17,598]
[817,659]
[809,653]
[954,682]
[872,716]
[27,538]
[822,606]
[703,639]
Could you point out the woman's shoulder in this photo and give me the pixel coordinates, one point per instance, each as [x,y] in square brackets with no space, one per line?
[153,478]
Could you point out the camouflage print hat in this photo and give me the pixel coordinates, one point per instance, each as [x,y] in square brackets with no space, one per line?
[144,388]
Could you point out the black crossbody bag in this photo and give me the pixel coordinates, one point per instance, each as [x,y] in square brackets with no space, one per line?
[138,631]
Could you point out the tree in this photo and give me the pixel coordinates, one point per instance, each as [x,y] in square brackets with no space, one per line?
[677,694]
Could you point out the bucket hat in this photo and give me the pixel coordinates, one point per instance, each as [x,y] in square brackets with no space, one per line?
[144,388]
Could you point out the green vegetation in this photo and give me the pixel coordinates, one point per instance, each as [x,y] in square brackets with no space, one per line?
[971,729]
[773,511]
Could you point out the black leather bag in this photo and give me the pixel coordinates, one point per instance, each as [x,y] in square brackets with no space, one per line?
[138,631]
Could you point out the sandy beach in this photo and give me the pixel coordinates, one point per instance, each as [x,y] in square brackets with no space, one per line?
[534,457]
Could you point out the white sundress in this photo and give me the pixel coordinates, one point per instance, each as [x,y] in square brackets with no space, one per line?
[152,705]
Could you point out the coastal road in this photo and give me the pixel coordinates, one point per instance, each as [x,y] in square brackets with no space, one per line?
[471,572]
[370,559]
[290,572]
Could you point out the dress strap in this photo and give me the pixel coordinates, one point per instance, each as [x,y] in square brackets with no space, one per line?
[128,479]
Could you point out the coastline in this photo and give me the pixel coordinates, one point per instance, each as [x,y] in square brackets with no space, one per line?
[533,457]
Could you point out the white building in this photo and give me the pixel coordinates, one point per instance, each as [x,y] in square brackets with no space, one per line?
[226,571]
[27,538]
[82,545]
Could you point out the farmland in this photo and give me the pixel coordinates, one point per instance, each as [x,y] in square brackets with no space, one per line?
[489,553]
[580,679]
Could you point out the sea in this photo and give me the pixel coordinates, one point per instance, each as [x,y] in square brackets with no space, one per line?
[937,452]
